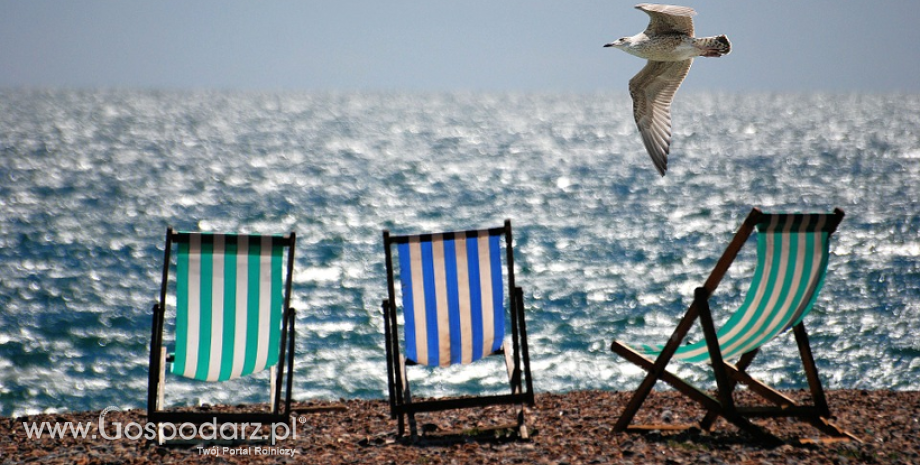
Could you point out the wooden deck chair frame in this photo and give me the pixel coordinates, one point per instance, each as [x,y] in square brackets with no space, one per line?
[517,359]
[281,371]
[728,375]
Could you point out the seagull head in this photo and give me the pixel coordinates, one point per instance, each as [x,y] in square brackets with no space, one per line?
[620,43]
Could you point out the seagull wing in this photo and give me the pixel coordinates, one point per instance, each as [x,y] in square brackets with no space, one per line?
[652,91]
[668,19]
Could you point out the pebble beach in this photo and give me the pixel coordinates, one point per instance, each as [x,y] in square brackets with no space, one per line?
[567,428]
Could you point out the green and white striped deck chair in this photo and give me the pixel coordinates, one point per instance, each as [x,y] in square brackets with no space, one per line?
[792,255]
[454,312]
[232,319]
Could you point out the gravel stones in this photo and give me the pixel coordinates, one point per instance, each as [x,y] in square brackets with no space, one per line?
[569,428]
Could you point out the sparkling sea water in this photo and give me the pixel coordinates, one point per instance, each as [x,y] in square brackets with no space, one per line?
[605,248]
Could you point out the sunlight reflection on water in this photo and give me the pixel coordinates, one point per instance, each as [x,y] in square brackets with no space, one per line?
[605,249]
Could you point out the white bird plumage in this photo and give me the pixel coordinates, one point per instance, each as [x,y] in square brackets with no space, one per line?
[669,46]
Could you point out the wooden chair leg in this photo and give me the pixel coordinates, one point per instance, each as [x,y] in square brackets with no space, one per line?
[407,402]
[514,380]
[725,387]
[161,384]
[525,351]
[161,392]
[272,383]
[656,370]
[817,390]
[811,370]
[638,397]
[743,363]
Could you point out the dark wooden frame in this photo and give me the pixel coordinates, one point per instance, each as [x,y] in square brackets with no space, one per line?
[279,413]
[521,384]
[728,375]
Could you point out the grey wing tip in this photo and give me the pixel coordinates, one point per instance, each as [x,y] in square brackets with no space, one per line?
[658,150]
[659,157]
[661,165]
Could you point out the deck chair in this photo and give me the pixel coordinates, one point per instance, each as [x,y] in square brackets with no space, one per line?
[454,312]
[792,254]
[233,319]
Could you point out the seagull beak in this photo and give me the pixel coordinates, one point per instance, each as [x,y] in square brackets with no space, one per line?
[610,44]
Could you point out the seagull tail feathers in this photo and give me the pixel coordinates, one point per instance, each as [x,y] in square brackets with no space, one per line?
[714,46]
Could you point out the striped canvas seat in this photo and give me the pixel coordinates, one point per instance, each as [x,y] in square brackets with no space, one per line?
[792,256]
[455,310]
[229,295]
[452,297]
[792,252]
[232,318]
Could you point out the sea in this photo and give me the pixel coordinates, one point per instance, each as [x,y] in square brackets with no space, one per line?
[605,248]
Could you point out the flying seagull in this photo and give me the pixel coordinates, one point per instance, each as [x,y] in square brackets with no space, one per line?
[669,46]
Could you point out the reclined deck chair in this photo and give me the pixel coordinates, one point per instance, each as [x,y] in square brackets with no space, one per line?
[233,319]
[454,312]
[792,254]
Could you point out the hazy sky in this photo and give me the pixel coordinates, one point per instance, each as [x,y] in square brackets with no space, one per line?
[491,45]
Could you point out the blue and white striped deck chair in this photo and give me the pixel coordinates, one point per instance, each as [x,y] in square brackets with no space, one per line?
[232,319]
[792,256]
[454,311]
